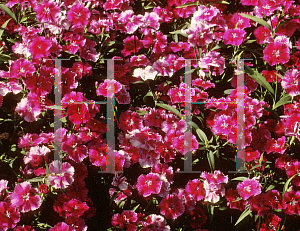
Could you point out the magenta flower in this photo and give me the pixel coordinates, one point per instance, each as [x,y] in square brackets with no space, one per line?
[35,155]
[39,47]
[127,220]
[61,174]
[234,36]
[171,206]
[186,143]
[21,67]
[78,15]
[195,188]
[248,188]
[29,109]
[291,82]
[75,208]
[25,198]
[47,11]
[62,226]
[276,53]
[108,88]
[148,184]
[9,216]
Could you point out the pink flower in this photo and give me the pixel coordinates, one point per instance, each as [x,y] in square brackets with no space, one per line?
[78,15]
[248,188]
[62,226]
[276,53]
[3,186]
[195,188]
[155,222]
[149,184]
[24,228]
[186,143]
[39,47]
[171,206]
[234,36]
[47,11]
[291,82]
[108,88]
[35,155]
[262,33]
[21,67]
[25,198]
[9,216]
[61,174]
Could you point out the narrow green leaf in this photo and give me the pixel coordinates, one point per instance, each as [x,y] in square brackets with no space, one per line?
[219,2]
[199,132]
[136,207]
[246,213]
[286,185]
[36,179]
[188,4]
[259,78]
[170,108]
[8,12]
[211,160]
[258,20]
[284,100]
[3,27]
[240,178]
[178,32]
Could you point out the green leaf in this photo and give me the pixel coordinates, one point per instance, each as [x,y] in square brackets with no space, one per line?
[56,107]
[246,213]
[219,2]
[284,100]
[270,188]
[3,27]
[178,32]
[169,108]
[259,78]
[258,20]
[36,179]
[199,132]
[8,12]
[211,160]
[188,4]
[136,207]
[286,185]
[240,178]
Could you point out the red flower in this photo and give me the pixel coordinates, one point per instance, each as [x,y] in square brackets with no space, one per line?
[195,188]
[9,216]
[276,53]
[39,47]
[234,36]
[78,15]
[292,200]
[171,206]
[75,208]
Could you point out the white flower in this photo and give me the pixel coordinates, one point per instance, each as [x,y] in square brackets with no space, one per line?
[145,73]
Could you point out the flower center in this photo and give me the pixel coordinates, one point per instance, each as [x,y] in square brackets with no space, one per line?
[22,70]
[276,53]
[26,197]
[47,10]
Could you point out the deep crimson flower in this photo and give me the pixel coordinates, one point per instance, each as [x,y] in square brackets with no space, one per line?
[132,45]
[270,222]
[75,208]
[24,228]
[25,198]
[195,188]
[276,53]
[47,11]
[271,76]
[277,146]
[260,204]
[262,33]
[148,184]
[39,47]
[126,220]
[292,201]
[250,154]
[74,147]
[78,15]
[171,206]
[198,217]
[9,216]
[274,197]
[234,200]
[294,169]
[61,174]
[62,226]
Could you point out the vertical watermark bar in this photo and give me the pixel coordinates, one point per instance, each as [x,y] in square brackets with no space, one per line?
[110,159]
[240,141]
[188,162]
[57,115]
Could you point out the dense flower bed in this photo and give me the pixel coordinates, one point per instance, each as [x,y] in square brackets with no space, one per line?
[150,47]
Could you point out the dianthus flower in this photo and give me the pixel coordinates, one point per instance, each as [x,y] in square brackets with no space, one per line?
[108,88]
[75,208]
[186,143]
[3,186]
[132,45]
[21,67]
[195,188]
[47,11]
[291,82]
[234,36]
[61,174]
[294,169]
[262,33]
[234,200]
[292,201]
[145,73]
[270,222]
[24,228]
[9,216]
[171,206]
[25,198]
[36,154]
[127,220]
[62,226]
[149,184]
[276,53]
[155,222]
[248,188]
[40,47]
[78,15]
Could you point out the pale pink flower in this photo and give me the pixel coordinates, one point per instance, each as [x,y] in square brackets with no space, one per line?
[108,88]
[61,174]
